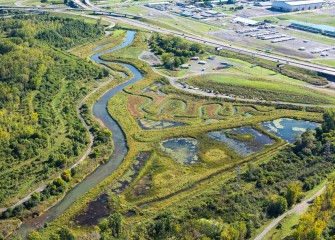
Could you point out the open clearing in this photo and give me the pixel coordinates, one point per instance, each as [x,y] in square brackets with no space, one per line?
[253,87]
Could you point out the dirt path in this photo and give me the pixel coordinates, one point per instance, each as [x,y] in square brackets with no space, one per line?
[329,91]
[89,149]
[84,156]
[298,209]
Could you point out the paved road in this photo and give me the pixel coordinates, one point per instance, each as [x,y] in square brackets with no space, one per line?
[298,209]
[214,43]
[204,40]
[173,82]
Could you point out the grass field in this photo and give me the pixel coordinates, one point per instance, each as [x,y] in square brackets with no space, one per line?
[328,62]
[171,21]
[8,2]
[37,2]
[86,19]
[259,88]
[312,17]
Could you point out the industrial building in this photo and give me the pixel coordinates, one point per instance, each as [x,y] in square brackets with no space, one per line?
[314,28]
[245,21]
[158,6]
[293,6]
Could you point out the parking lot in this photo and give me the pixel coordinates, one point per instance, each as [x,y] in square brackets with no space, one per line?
[277,39]
[273,37]
[210,64]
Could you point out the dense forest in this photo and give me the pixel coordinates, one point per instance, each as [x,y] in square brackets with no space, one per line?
[40,85]
[59,32]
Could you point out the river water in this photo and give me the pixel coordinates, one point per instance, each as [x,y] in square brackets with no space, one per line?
[103,171]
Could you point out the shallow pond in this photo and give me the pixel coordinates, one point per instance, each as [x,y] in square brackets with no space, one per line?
[183,150]
[147,124]
[95,211]
[243,140]
[287,128]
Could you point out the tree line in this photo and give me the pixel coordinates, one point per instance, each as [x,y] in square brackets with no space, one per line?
[174,51]
[40,132]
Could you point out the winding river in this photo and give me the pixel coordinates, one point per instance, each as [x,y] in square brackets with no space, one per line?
[103,171]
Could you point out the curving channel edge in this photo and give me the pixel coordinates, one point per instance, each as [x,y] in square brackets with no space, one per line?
[103,171]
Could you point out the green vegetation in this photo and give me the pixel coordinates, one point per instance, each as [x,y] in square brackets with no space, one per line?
[6,227]
[287,70]
[258,88]
[41,133]
[57,31]
[80,17]
[153,194]
[174,51]
[235,207]
[173,22]
[237,136]
[206,196]
[43,2]
[239,205]
[312,17]
[283,229]
[318,222]
[328,62]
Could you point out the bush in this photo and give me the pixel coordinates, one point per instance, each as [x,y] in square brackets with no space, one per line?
[276,205]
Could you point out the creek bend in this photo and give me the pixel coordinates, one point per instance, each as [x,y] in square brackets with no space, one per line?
[100,112]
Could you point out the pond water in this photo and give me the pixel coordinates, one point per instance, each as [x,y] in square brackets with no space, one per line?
[183,150]
[243,140]
[147,124]
[287,128]
[95,211]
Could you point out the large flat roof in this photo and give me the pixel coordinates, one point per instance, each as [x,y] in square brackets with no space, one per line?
[245,20]
[318,26]
[298,3]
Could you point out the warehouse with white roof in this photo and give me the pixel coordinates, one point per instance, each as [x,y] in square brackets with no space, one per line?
[245,21]
[293,6]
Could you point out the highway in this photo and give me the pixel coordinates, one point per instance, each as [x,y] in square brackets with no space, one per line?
[115,17]
[119,17]
[214,43]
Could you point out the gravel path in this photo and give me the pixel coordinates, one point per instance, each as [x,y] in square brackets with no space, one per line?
[298,209]
[174,83]
[85,155]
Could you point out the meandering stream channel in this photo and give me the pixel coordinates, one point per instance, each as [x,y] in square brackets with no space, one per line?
[105,170]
